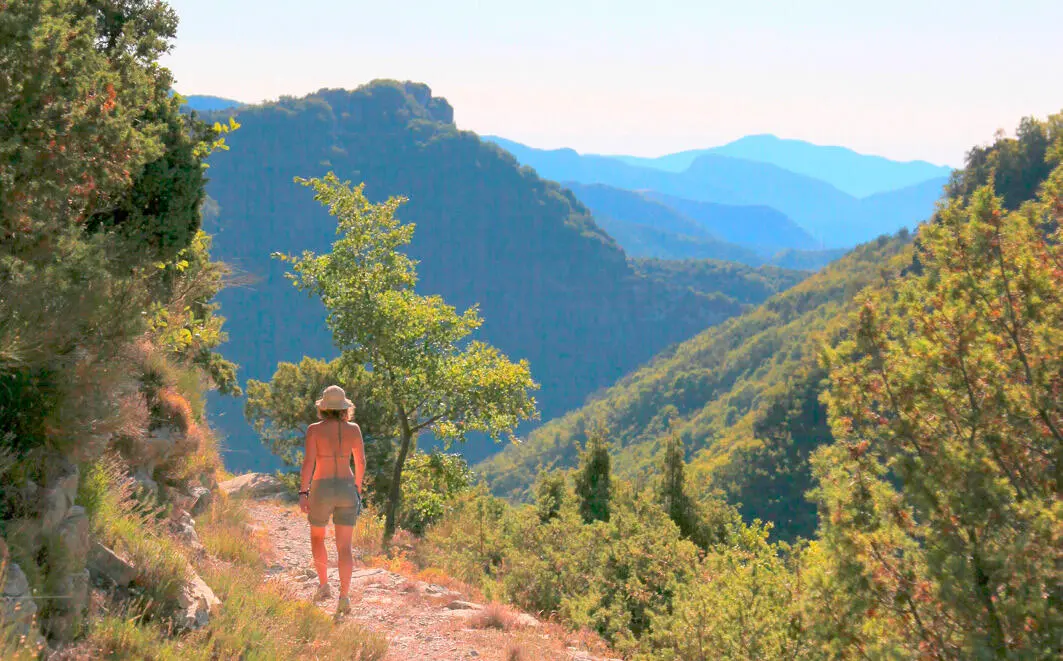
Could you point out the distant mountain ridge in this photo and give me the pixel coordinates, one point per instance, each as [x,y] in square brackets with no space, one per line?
[648,224]
[835,218]
[859,175]
[204,103]
[647,228]
[760,227]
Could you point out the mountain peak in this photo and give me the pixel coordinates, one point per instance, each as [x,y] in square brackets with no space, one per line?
[384,99]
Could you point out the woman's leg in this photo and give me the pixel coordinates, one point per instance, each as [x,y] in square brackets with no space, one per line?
[317,546]
[343,550]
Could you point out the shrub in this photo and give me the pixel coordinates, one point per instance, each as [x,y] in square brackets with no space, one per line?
[133,529]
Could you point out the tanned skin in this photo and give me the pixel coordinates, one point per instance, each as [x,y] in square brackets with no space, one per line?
[321,440]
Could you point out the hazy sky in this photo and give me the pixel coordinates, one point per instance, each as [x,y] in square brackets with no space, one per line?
[908,79]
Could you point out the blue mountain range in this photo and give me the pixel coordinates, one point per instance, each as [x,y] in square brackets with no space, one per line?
[859,175]
[834,218]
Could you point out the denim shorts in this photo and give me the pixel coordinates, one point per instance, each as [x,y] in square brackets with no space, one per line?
[335,497]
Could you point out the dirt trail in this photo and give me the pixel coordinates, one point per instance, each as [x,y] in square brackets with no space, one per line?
[420,620]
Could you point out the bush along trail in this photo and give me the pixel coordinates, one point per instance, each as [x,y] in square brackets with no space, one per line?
[421,612]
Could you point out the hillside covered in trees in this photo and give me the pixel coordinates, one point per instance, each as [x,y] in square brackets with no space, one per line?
[746,396]
[553,287]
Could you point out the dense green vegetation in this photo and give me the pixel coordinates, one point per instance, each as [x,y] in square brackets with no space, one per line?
[728,389]
[941,492]
[743,283]
[108,329]
[930,403]
[105,279]
[553,287]
[746,394]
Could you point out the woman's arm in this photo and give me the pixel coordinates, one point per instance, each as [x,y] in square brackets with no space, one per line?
[307,472]
[358,450]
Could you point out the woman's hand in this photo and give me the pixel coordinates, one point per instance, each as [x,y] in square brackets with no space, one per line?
[304,503]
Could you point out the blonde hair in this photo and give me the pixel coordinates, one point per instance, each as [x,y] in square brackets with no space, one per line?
[335,414]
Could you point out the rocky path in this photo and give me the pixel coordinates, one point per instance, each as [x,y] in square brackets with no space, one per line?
[421,620]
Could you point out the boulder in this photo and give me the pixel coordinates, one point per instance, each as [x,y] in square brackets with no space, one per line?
[52,507]
[254,485]
[157,448]
[184,529]
[72,598]
[458,605]
[109,568]
[143,479]
[195,604]
[201,499]
[15,582]
[17,608]
[67,483]
[526,621]
[74,536]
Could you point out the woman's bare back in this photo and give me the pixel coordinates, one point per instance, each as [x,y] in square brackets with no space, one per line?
[335,442]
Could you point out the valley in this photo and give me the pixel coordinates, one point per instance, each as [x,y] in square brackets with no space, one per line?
[696,382]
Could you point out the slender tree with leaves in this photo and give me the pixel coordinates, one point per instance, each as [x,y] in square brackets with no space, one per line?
[416,347]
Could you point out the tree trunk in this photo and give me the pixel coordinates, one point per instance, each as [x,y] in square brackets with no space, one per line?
[395,492]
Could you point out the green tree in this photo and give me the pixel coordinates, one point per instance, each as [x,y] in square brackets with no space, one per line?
[941,495]
[671,489]
[743,602]
[101,184]
[594,486]
[549,494]
[433,480]
[416,347]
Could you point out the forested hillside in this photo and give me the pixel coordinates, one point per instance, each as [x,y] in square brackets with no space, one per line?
[553,287]
[910,391]
[743,283]
[745,396]
[711,385]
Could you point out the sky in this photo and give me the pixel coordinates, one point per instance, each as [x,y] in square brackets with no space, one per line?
[905,79]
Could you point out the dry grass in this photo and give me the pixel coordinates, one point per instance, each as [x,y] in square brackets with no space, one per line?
[369,530]
[437,576]
[396,564]
[225,533]
[494,616]
[202,457]
[257,621]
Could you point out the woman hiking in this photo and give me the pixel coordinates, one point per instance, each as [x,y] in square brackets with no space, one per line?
[329,488]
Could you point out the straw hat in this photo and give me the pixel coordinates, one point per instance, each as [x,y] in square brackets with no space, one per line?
[334,399]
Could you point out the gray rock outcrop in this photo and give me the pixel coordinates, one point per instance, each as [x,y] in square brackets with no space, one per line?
[109,568]
[254,485]
[195,604]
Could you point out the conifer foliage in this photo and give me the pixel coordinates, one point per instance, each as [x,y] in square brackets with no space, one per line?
[594,486]
[941,494]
